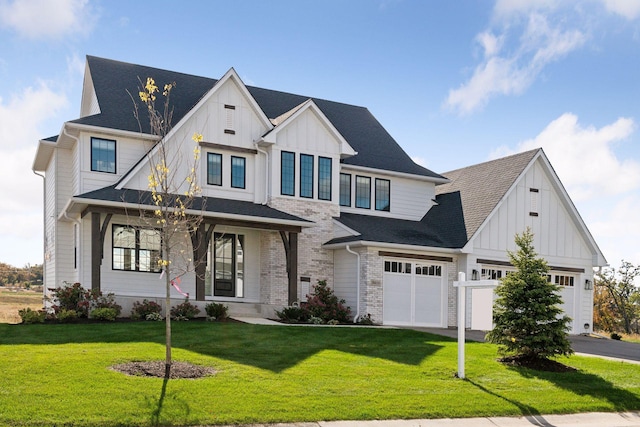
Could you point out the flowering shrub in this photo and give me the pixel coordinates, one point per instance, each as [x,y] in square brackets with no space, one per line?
[184,311]
[142,310]
[73,297]
[154,317]
[324,304]
[216,311]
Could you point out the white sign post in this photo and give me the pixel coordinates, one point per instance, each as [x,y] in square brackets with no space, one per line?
[462,284]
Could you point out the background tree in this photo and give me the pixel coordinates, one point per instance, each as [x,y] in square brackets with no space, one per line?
[617,299]
[173,187]
[529,323]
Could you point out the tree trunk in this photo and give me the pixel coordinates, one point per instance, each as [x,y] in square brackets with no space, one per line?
[167,365]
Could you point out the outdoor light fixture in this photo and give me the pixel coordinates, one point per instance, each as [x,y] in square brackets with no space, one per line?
[475,275]
[588,284]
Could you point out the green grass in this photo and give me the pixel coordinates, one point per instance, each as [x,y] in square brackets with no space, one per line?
[59,375]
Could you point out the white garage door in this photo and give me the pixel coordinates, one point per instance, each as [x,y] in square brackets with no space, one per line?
[415,293]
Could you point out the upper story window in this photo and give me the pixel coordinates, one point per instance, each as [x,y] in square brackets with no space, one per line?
[214,169]
[363,192]
[345,189]
[324,178]
[238,172]
[103,155]
[287,173]
[306,175]
[136,249]
[383,195]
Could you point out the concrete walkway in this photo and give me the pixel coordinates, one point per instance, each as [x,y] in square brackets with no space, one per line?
[596,419]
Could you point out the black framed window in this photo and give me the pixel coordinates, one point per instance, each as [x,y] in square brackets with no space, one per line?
[287,173]
[238,171]
[363,192]
[324,178]
[103,155]
[345,189]
[306,175]
[383,195]
[136,249]
[214,169]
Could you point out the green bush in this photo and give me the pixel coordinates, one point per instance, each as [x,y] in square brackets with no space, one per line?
[216,311]
[105,301]
[29,316]
[294,314]
[153,317]
[184,311]
[324,304]
[104,313]
[67,316]
[141,310]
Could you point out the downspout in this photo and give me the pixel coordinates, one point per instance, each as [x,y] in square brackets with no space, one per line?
[44,231]
[76,221]
[355,319]
[266,173]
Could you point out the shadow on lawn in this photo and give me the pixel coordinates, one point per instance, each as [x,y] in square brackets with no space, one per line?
[586,384]
[273,348]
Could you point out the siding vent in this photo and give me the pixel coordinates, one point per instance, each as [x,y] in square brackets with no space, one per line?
[230,111]
[535,195]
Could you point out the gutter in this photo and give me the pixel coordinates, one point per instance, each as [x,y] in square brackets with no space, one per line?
[44,230]
[357,316]
[266,172]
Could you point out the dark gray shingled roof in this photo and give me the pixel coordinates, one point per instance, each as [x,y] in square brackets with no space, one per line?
[482,186]
[441,227]
[111,80]
[208,204]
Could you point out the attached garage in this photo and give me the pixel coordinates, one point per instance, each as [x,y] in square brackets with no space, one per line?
[415,293]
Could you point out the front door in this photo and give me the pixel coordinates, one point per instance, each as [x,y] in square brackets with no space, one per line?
[224,265]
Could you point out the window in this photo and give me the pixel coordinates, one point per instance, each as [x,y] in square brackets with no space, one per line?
[324,178]
[306,175]
[214,169]
[491,274]
[135,249]
[287,173]
[563,280]
[383,191]
[429,270]
[397,267]
[238,171]
[103,155]
[363,192]
[345,189]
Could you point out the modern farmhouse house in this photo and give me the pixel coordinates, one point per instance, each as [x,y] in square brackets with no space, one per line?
[295,190]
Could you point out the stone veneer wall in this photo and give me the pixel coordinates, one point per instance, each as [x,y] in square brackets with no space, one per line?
[371,283]
[273,270]
[313,261]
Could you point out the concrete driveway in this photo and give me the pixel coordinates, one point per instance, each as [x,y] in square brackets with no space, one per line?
[588,345]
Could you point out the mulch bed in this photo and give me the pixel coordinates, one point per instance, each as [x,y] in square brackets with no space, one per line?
[538,364]
[179,370]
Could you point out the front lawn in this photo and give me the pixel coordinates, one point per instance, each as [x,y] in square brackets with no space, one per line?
[59,374]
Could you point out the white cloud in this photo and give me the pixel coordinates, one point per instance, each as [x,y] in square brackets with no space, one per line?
[419,160]
[514,71]
[629,9]
[21,216]
[44,19]
[584,157]
[616,229]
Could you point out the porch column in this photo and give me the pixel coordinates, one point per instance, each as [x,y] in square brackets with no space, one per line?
[200,239]
[290,243]
[96,251]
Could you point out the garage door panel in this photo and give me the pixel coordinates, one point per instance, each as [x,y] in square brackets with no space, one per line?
[428,301]
[397,298]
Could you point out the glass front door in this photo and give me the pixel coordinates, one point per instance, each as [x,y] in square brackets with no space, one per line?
[225,266]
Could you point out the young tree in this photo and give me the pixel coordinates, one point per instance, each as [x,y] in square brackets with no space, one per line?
[173,184]
[618,297]
[529,324]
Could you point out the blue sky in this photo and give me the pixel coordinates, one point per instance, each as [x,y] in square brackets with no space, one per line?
[455,83]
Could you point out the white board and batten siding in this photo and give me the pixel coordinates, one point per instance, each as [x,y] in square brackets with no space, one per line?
[557,237]
[345,276]
[409,199]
